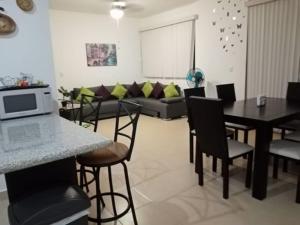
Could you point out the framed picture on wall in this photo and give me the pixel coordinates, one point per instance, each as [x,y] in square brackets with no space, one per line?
[101,54]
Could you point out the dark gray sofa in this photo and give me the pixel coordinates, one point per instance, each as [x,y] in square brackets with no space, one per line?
[165,108]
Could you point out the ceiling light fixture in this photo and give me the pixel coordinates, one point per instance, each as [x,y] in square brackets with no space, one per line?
[117,9]
[116,13]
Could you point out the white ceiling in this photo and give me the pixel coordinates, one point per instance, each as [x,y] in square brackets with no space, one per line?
[136,8]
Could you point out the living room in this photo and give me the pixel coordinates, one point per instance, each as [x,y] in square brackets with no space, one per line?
[236,42]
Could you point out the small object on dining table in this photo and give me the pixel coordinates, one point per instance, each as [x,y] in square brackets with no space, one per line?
[261,100]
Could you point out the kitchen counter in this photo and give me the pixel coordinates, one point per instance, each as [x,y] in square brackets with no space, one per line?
[33,141]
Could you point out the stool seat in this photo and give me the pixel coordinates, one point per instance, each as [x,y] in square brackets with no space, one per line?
[48,206]
[110,155]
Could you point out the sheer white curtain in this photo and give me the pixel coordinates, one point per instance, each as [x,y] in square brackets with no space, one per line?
[167,52]
[273,47]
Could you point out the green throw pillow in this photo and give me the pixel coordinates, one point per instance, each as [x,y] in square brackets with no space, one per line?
[119,91]
[147,89]
[85,91]
[171,91]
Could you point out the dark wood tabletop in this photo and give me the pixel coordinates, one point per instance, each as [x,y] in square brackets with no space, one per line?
[263,119]
[275,111]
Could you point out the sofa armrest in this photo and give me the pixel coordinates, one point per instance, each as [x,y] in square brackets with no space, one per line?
[172,100]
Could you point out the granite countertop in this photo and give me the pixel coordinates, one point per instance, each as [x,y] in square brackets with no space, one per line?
[33,141]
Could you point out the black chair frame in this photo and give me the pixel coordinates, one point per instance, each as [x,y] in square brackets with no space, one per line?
[133,113]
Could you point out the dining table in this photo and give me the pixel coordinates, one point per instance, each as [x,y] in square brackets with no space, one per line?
[263,119]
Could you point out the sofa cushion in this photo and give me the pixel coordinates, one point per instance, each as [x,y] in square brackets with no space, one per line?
[171,91]
[172,100]
[147,89]
[134,90]
[119,91]
[103,92]
[85,91]
[158,91]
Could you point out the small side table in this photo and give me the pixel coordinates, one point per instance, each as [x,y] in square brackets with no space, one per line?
[70,111]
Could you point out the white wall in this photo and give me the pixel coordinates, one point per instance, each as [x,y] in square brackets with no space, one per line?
[29,48]
[219,66]
[72,30]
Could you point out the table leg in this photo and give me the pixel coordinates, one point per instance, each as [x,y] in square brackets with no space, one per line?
[262,147]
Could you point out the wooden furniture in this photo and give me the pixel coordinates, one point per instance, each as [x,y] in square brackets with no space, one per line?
[263,119]
[210,129]
[287,150]
[226,92]
[115,154]
[200,92]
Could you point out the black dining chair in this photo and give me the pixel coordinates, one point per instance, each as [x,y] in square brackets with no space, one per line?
[117,153]
[226,92]
[292,95]
[288,150]
[200,92]
[208,119]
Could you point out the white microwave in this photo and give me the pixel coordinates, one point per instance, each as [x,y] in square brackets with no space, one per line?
[21,102]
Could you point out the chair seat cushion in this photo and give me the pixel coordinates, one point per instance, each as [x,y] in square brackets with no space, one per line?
[295,136]
[48,206]
[292,125]
[286,148]
[111,154]
[238,126]
[236,148]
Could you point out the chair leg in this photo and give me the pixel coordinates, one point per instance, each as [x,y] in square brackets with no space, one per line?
[214,164]
[85,181]
[282,133]
[285,165]
[112,191]
[98,194]
[191,148]
[249,170]
[275,166]
[101,198]
[81,176]
[129,194]
[200,168]
[236,134]
[298,187]
[225,172]
[197,158]
[246,133]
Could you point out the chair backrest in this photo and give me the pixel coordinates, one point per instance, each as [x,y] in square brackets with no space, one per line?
[293,91]
[208,119]
[89,110]
[226,92]
[200,92]
[133,111]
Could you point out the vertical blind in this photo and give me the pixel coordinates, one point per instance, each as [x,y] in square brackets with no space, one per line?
[167,52]
[273,47]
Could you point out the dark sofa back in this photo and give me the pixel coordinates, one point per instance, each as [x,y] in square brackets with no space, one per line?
[110,88]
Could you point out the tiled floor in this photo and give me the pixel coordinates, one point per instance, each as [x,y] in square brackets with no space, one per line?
[165,188]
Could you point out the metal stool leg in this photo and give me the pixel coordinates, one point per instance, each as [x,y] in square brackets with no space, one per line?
[112,191]
[101,198]
[129,193]
[98,193]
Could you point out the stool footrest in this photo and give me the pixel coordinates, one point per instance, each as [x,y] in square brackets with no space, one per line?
[113,218]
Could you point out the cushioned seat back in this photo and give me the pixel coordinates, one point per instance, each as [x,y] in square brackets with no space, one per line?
[200,92]
[293,91]
[208,119]
[226,92]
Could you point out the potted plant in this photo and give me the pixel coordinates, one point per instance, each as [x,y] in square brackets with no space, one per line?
[65,94]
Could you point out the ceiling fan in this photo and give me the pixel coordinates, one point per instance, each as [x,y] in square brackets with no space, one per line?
[119,6]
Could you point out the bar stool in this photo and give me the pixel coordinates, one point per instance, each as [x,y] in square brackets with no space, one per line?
[115,154]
